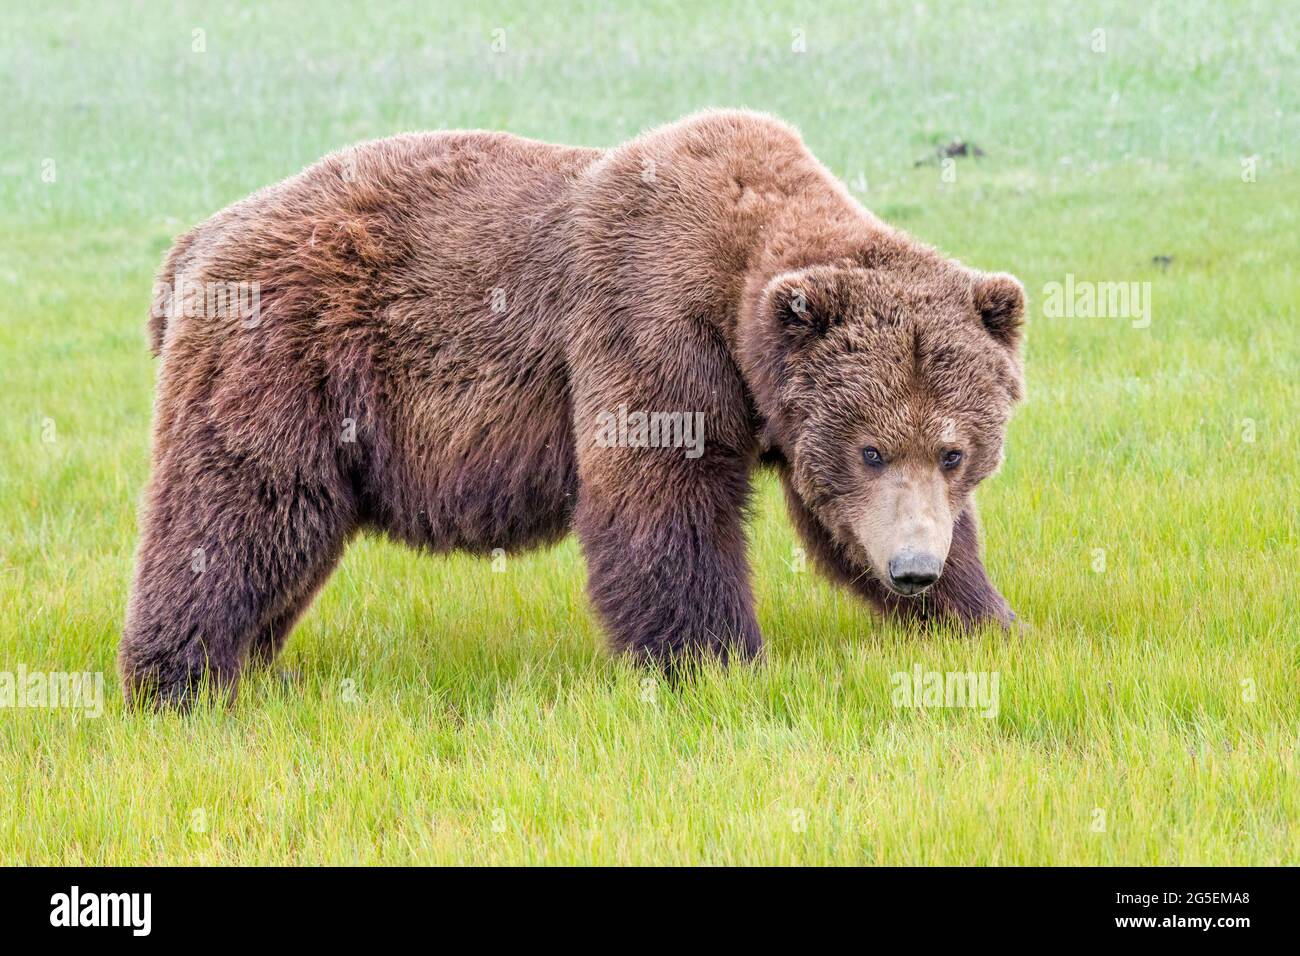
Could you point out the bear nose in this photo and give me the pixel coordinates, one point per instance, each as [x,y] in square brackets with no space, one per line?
[911,572]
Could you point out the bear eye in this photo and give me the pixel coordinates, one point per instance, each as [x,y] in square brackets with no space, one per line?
[873,457]
[951,459]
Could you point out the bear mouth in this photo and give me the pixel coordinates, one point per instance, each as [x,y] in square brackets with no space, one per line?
[909,590]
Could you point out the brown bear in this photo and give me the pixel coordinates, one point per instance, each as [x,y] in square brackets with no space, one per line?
[472,341]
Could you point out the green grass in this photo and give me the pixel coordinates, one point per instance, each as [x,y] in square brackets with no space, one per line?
[437,711]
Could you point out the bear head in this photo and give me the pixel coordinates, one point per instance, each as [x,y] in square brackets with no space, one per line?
[887,392]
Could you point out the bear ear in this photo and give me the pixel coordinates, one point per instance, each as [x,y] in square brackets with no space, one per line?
[1000,304]
[806,304]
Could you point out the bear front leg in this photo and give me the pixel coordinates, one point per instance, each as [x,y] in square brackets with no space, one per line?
[665,550]
[665,448]
[963,594]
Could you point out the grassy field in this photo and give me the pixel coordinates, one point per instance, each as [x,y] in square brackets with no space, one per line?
[433,710]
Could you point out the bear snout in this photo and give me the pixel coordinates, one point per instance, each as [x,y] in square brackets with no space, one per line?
[911,572]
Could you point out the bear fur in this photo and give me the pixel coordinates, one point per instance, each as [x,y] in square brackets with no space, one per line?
[445,319]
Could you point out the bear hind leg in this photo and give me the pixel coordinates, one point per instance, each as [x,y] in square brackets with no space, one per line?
[270,637]
[228,559]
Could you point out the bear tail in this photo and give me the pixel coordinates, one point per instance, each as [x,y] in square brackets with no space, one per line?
[163,287]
